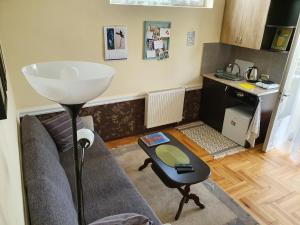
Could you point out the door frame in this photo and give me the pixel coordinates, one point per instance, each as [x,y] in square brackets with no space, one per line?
[281,94]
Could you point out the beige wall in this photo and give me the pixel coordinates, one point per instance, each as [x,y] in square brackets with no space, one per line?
[34,31]
[11,203]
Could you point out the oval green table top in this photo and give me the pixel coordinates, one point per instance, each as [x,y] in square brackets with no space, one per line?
[171,155]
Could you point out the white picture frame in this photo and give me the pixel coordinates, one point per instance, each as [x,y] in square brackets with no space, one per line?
[115,43]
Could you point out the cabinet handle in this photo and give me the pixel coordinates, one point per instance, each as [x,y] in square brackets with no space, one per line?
[240,94]
[226,88]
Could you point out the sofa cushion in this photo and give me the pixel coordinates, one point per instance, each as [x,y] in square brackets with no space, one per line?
[33,129]
[40,163]
[123,219]
[107,189]
[60,128]
[48,204]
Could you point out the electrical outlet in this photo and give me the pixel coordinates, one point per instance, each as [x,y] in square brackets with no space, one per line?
[190,40]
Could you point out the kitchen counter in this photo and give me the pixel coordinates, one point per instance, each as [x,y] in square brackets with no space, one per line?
[217,95]
[236,84]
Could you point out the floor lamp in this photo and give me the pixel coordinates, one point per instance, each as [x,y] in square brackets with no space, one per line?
[71,84]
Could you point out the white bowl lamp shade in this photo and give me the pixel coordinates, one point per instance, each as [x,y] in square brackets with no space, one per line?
[69,82]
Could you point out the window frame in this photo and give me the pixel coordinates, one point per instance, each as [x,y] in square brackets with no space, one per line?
[208,5]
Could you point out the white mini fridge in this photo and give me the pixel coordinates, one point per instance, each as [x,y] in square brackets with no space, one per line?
[236,123]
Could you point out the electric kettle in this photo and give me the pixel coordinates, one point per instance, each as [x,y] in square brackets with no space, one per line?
[251,74]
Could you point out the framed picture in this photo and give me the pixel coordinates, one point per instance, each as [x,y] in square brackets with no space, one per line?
[3,89]
[156,39]
[115,42]
[282,39]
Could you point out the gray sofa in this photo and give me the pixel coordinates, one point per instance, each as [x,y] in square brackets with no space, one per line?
[49,178]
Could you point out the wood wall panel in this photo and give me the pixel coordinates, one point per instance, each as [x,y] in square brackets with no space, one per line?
[123,119]
[191,107]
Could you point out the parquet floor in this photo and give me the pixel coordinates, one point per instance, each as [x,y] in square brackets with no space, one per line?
[267,185]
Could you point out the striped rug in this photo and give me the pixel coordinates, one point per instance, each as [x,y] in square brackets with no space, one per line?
[210,140]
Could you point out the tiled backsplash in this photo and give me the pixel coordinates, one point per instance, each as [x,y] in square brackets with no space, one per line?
[217,55]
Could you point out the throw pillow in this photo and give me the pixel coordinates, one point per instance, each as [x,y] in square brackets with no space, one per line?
[60,128]
[124,219]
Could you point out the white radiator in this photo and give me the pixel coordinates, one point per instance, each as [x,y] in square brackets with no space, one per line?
[164,107]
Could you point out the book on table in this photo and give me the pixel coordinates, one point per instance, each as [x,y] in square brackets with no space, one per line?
[155,139]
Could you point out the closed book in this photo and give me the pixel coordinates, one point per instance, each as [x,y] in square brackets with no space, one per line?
[155,139]
[282,38]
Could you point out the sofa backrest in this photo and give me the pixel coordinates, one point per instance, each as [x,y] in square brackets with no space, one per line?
[33,129]
[49,196]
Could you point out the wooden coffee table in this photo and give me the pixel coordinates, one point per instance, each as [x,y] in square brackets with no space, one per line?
[169,176]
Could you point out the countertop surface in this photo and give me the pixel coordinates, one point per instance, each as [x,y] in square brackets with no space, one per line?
[236,84]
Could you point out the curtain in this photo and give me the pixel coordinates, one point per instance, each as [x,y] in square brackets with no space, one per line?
[182,3]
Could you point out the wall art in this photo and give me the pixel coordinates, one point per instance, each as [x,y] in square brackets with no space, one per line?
[115,42]
[156,39]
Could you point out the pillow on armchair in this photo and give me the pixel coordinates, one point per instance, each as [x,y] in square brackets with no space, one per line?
[60,128]
[124,219]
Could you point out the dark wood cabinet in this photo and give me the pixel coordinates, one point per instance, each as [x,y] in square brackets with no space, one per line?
[216,97]
[212,105]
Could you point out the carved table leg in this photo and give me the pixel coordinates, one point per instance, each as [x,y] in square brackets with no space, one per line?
[185,199]
[146,163]
[196,200]
[180,208]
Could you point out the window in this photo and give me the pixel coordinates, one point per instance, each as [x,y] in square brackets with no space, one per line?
[177,3]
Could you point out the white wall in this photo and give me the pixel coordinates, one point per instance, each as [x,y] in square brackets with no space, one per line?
[42,30]
[11,200]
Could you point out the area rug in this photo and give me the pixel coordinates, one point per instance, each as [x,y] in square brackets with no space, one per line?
[220,208]
[210,140]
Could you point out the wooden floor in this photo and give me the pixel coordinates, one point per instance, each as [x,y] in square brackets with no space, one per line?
[267,185]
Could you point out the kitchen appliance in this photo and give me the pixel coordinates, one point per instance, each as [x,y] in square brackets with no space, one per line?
[251,75]
[236,123]
[230,72]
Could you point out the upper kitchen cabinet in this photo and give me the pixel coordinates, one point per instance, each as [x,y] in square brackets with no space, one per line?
[244,22]
[282,15]
[232,22]
[254,23]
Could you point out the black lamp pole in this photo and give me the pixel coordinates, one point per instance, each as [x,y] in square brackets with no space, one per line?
[73,111]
